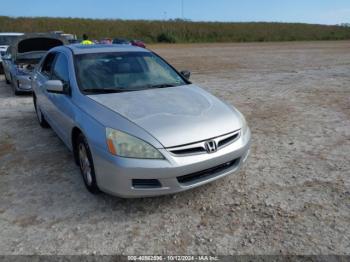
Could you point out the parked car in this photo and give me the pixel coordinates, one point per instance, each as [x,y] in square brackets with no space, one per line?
[106,41]
[71,38]
[5,40]
[121,41]
[22,56]
[136,126]
[138,43]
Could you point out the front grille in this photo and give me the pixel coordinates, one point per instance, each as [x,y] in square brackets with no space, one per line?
[199,147]
[228,140]
[146,183]
[189,151]
[191,178]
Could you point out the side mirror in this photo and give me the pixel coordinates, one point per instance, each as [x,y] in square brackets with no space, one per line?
[186,74]
[54,86]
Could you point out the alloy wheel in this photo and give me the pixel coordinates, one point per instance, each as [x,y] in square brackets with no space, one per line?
[85,164]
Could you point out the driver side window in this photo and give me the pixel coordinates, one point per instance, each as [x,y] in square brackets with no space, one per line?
[60,69]
[47,64]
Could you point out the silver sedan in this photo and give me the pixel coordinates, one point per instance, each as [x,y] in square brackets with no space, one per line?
[136,126]
[22,56]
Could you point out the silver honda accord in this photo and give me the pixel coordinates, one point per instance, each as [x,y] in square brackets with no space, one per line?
[136,126]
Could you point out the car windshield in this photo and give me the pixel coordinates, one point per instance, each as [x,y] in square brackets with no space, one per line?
[122,72]
[7,39]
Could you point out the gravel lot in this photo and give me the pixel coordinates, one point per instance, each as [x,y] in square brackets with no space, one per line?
[293,197]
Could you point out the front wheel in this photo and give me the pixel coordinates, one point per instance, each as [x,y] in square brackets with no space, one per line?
[86,165]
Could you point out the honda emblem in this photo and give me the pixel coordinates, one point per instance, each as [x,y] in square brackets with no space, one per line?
[211,146]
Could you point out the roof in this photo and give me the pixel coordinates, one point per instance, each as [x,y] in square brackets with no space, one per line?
[98,48]
[10,34]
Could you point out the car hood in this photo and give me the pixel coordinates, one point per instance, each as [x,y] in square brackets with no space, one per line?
[34,46]
[176,115]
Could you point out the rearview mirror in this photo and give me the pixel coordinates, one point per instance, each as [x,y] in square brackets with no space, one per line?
[54,86]
[186,74]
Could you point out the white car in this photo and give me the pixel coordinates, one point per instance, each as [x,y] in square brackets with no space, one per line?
[5,41]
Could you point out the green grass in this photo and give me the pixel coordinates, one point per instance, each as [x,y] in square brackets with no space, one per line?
[178,31]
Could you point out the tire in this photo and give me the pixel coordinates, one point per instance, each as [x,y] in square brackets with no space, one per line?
[1,69]
[86,165]
[41,119]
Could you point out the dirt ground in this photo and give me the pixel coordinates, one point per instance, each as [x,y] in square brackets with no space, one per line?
[293,197]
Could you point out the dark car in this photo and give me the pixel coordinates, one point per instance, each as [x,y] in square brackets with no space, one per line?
[121,41]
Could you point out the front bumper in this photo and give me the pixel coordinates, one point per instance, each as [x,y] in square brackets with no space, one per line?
[115,175]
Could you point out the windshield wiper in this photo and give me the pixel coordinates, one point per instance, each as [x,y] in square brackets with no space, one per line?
[121,90]
[105,90]
[162,85]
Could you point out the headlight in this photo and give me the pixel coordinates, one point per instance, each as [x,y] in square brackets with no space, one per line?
[124,145]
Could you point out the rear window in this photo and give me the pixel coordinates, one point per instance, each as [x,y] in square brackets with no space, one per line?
[38,44]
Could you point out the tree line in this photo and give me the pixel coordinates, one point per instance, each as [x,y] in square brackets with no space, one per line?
[177,31]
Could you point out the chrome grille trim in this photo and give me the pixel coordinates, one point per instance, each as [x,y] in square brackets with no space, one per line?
[199,147]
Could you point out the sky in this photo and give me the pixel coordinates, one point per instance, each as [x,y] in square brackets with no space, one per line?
[304,11]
